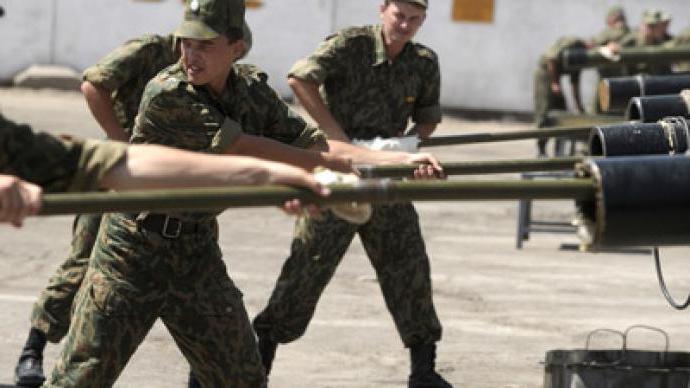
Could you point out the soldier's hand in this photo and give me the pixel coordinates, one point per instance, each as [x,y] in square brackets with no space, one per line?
[294,176]
[429,167]
[18,199]
[339,163]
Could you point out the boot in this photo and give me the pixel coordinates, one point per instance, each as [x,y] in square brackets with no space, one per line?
[29,369]
[423,375]
[267,350]
[193,382]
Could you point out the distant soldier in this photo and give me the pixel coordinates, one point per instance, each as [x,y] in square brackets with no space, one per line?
[548,90]
[653,31]
[374,80]
[113,90]
[616,27]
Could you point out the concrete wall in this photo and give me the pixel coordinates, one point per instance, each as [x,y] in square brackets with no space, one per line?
[484,66]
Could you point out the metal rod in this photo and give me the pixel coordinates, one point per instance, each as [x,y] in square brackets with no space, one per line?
[475,167]
[578,132]
[376,191]
[581,58]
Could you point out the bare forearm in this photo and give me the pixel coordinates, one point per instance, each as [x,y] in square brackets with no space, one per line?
[101,106]
[151,166]
[270,149]
[308,95]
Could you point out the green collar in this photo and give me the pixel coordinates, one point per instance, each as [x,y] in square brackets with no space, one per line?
[380,55]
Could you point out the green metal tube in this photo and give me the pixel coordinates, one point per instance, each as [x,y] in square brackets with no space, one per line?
[377,191]
[582,58]
[578,132]
[475,167]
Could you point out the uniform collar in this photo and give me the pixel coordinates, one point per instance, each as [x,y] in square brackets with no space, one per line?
[380,55]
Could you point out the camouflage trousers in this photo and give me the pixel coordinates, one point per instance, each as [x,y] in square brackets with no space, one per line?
[137,276]
[544,99]
[394,244]
[51,312]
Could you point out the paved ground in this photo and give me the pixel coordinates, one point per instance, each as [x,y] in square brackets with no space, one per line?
[502,308]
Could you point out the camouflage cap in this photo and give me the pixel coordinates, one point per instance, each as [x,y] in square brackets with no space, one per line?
[422,3]
[615,12]
[208,19]
[655,16]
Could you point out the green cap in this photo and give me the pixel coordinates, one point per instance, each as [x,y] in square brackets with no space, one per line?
[615,11]
[655,16]
[208,19]
[422,3]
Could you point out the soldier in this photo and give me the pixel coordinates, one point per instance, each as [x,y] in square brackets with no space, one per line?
[374,79]
[653,31]
[144,265]
[548,91]
[112,89]
[616,27]
[47,163]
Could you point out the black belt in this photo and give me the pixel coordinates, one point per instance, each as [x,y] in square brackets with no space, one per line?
[169,227]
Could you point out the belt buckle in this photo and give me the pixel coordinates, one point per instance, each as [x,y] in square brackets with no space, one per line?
[175,232]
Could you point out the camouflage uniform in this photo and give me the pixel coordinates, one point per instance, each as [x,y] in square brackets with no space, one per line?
[369,96]
[608,35]
[137,275]
[635,39]
[55,164]
[545,100]
[125,71]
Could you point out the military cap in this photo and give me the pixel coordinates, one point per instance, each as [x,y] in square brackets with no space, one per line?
[615,11]
[208,19]
[655,16]
[422,3]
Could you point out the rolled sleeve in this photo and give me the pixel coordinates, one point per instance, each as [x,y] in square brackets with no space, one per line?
[227,135]
[427,115]
[97,158]
[309,137]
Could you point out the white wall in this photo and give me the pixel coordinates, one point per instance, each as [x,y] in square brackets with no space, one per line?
[484,66]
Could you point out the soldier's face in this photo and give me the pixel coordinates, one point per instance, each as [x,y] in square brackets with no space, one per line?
[209,61]
[401,21]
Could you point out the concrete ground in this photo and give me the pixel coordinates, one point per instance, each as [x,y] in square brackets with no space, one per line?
[501,308]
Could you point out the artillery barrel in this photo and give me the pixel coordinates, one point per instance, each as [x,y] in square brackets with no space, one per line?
[578,58]
[474,167]
[616,92]
[376,191]
[668,136]
[641,201]
[654,108]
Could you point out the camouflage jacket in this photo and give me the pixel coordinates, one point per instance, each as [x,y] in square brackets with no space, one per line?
[176,113]
[635,39]
[368,94]
[126,70]
[53,163]
[610,34]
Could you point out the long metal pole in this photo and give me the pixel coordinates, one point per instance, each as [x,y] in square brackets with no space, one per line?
[475,167]
[272,195]
[578,132]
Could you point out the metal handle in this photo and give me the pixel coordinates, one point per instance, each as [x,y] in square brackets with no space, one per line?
[652,328]
[591,333]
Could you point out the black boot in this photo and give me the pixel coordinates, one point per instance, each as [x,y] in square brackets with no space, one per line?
[193,382]
[29,369]
[423,375]
[267,350]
